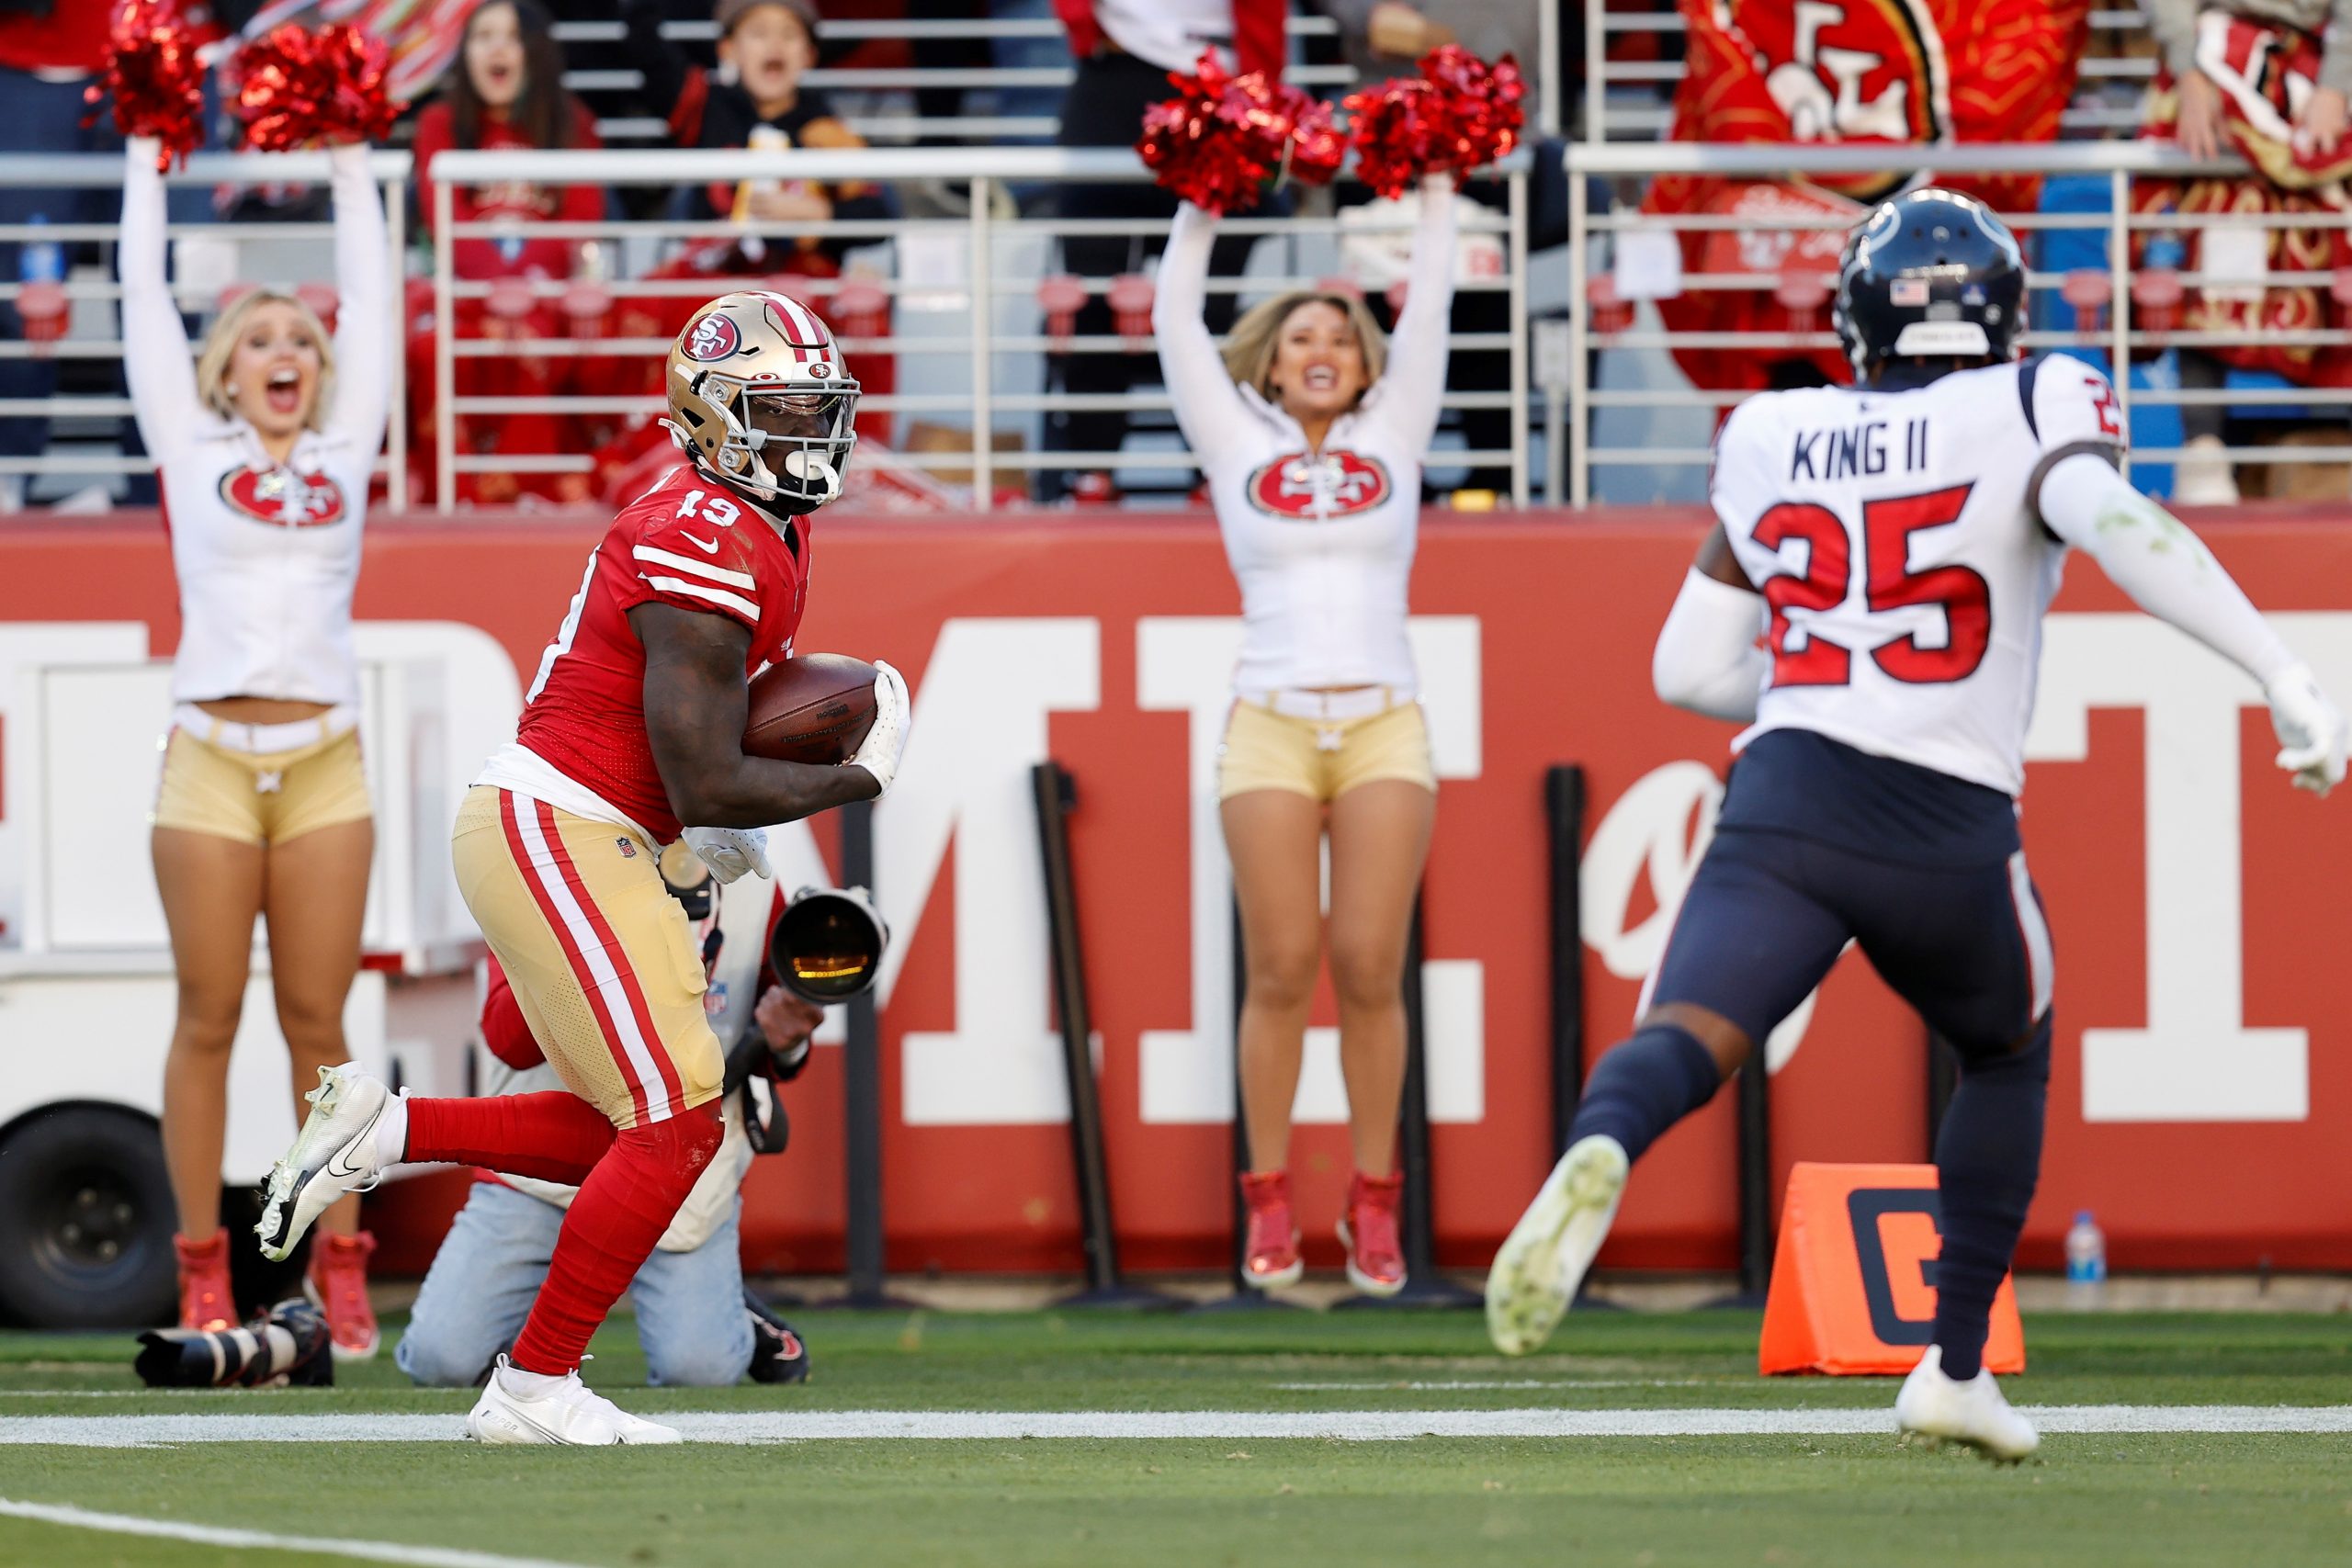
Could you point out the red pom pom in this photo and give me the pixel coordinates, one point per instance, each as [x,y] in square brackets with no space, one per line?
[1224,138]
[1483,105]
[154,77]
[1461,115]
[298,88]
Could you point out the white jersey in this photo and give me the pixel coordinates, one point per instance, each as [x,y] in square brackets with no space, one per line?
[1321,543]
[267,556]
[1893,536]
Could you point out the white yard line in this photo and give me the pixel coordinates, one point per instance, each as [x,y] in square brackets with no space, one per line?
[323,1546]
[1362,1426]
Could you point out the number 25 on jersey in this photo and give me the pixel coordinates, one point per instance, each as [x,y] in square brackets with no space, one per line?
[1803,656]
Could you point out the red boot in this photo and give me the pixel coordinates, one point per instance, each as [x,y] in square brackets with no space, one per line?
[1369,1231]
[206,1301]
[1271,1260]
[337,1282]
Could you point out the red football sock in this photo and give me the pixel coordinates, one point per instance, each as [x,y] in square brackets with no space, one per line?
[555,1136]
[623,1208]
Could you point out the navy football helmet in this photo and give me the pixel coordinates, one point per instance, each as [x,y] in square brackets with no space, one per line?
[1930,274]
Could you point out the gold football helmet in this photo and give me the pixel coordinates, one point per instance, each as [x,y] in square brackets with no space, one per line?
[762,400]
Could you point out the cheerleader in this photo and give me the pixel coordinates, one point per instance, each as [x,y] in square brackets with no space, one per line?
[1310,425]
[264,450]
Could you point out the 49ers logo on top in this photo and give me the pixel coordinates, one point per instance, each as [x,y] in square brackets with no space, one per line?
[1850,70]
[1337,484]
[283,498]
[715,337]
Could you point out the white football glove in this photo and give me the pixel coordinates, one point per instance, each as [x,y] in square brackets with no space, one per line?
[730,851]
[2312,730]
[878,753]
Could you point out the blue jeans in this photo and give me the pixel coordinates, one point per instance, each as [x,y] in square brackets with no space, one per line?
[690,1314]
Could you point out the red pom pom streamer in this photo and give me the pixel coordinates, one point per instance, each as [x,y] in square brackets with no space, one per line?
[297,87]
[154,77]
[1462,113]
[1224,138]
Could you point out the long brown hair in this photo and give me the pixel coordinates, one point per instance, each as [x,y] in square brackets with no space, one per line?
[543,112]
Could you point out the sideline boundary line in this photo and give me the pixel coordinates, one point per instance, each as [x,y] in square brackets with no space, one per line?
[760,1426]
[214,1535]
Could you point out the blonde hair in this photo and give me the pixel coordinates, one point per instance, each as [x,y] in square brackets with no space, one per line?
[1249,346]
[212,360]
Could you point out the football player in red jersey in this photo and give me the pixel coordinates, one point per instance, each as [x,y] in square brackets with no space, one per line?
[632,729]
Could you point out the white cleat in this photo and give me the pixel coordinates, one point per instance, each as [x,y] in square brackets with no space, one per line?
[335,1152]
[1544,1259]
[569,1413]
[1940,1409]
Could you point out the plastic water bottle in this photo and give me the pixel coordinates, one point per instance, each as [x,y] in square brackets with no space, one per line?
[2085,1260]
[40,261]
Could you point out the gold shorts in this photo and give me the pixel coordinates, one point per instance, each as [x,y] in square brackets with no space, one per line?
[598,952]
[1322,759]
[270,797]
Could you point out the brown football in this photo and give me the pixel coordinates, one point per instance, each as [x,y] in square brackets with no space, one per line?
[813,708]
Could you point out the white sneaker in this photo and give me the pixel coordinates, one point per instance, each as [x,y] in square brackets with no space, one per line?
[2201,476]
[569,1413]
[335,1152]
[1940,1409]
[1544,1259]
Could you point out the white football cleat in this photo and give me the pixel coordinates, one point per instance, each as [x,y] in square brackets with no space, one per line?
[1941,1409]
[1544,1259]
[335,1152]
[569,1413]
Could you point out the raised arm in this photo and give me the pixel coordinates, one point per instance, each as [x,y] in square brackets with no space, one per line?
[1414,383]
[1205,397]
[363,280]
[154,344]
[2167,570]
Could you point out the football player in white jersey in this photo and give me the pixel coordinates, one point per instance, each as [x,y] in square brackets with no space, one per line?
[1895,544]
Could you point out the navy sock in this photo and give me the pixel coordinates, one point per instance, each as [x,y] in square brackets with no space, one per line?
[1988,1157]
[1645,1086]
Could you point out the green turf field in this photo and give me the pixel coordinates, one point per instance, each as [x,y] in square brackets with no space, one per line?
[2108,1499]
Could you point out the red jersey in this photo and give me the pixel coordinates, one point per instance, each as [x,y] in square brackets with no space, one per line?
[687,543]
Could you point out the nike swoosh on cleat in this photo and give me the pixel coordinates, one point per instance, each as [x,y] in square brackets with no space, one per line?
[709,549]
[335,1166]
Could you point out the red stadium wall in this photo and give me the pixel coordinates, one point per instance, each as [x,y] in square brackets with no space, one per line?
[2213,1136]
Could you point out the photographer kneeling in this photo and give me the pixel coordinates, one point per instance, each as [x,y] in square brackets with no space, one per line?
[697,1324]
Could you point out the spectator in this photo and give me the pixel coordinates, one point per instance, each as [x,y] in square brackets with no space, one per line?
[263,809]
[694,1318]
[507,92]
[1760,71]
[2266,79]
[1310,430]
[1124,49]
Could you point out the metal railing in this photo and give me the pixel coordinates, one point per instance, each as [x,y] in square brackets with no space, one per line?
[2120,163]
[985,289]
[103,171]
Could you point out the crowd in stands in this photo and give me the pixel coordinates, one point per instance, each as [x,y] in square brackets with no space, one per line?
[2256,79]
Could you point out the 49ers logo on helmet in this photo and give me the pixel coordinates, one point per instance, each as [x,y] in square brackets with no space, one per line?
[283,498]
[1337,484]
[714,337]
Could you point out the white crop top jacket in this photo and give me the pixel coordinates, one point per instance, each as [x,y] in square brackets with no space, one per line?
[266,556]
[1321,545]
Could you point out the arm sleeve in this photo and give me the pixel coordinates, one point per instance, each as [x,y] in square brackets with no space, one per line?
[2153,556]
[1204,392]
[363,267]
[504,1031]
[155,342]
[1708,660]
[1413,385]
[2173,24]
[674,566]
